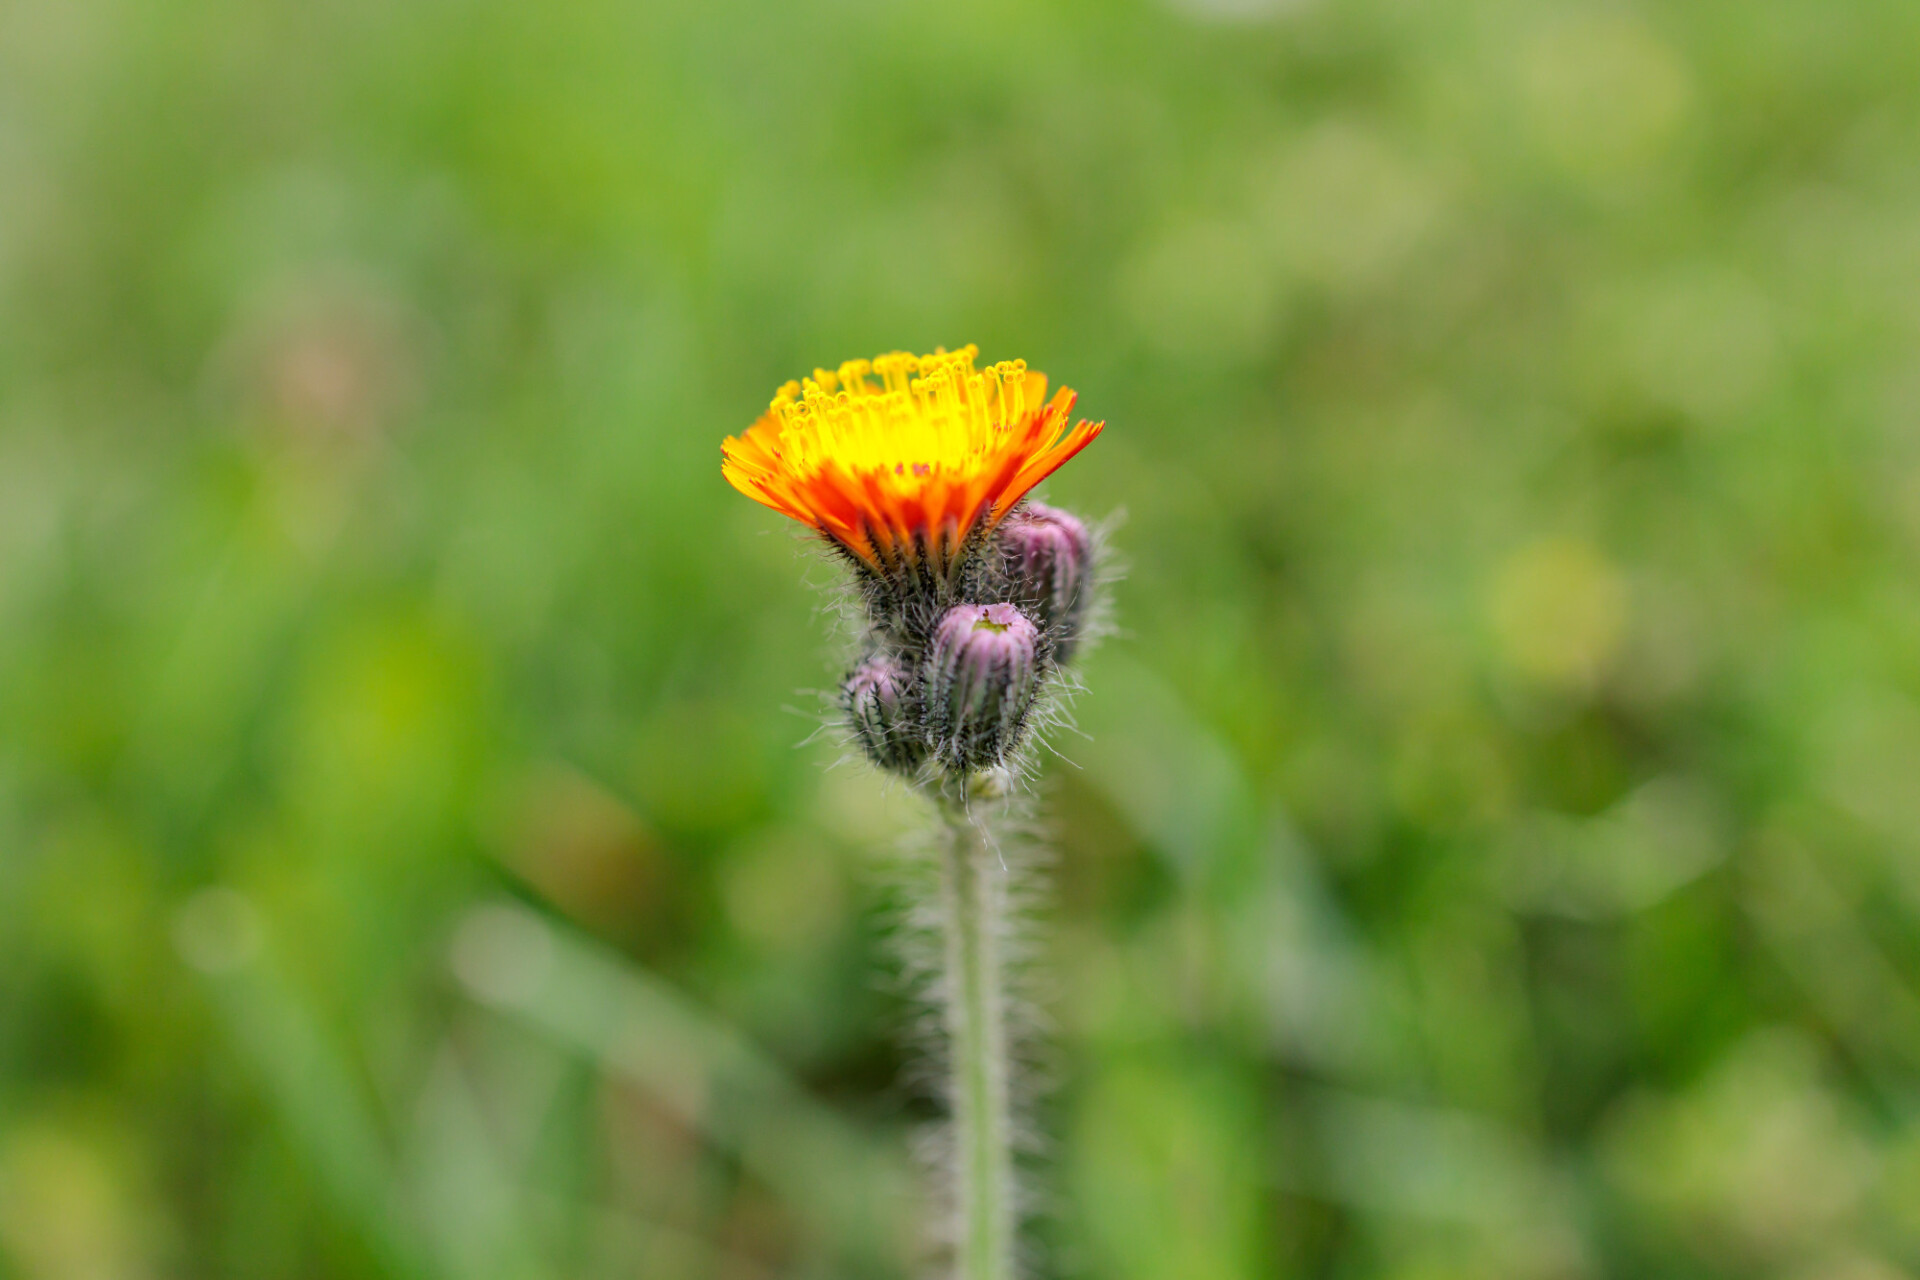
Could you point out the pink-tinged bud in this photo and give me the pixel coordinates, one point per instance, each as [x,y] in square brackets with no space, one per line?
[1049,557]
[983,670]
[878,698]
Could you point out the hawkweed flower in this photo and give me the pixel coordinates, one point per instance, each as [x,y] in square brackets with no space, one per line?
[915,470]
[904,462]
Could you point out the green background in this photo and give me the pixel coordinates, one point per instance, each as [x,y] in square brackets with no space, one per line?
[1492,848]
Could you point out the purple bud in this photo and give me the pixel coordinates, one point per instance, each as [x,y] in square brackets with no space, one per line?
[1049,555]
[878,699]
[983,670]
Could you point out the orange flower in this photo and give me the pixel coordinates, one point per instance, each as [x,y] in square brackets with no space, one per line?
[904,472]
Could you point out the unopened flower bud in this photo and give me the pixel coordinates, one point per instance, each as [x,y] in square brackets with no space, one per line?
[1049,556]
[983,670]
[878,699]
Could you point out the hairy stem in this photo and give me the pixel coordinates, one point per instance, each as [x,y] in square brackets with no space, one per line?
[973,895]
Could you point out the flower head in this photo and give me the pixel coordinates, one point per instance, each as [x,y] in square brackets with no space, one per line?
[903,470]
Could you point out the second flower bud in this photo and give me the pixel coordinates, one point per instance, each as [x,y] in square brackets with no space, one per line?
[982,676]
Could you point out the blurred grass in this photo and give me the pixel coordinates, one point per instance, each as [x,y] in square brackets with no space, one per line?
[1492,847]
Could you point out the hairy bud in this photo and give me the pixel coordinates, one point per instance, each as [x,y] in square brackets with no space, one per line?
[878,701]
[983,671]
[1049,557]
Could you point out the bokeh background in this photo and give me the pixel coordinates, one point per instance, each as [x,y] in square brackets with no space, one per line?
[1490,846]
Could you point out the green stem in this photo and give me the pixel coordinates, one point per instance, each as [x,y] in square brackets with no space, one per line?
[973,898]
